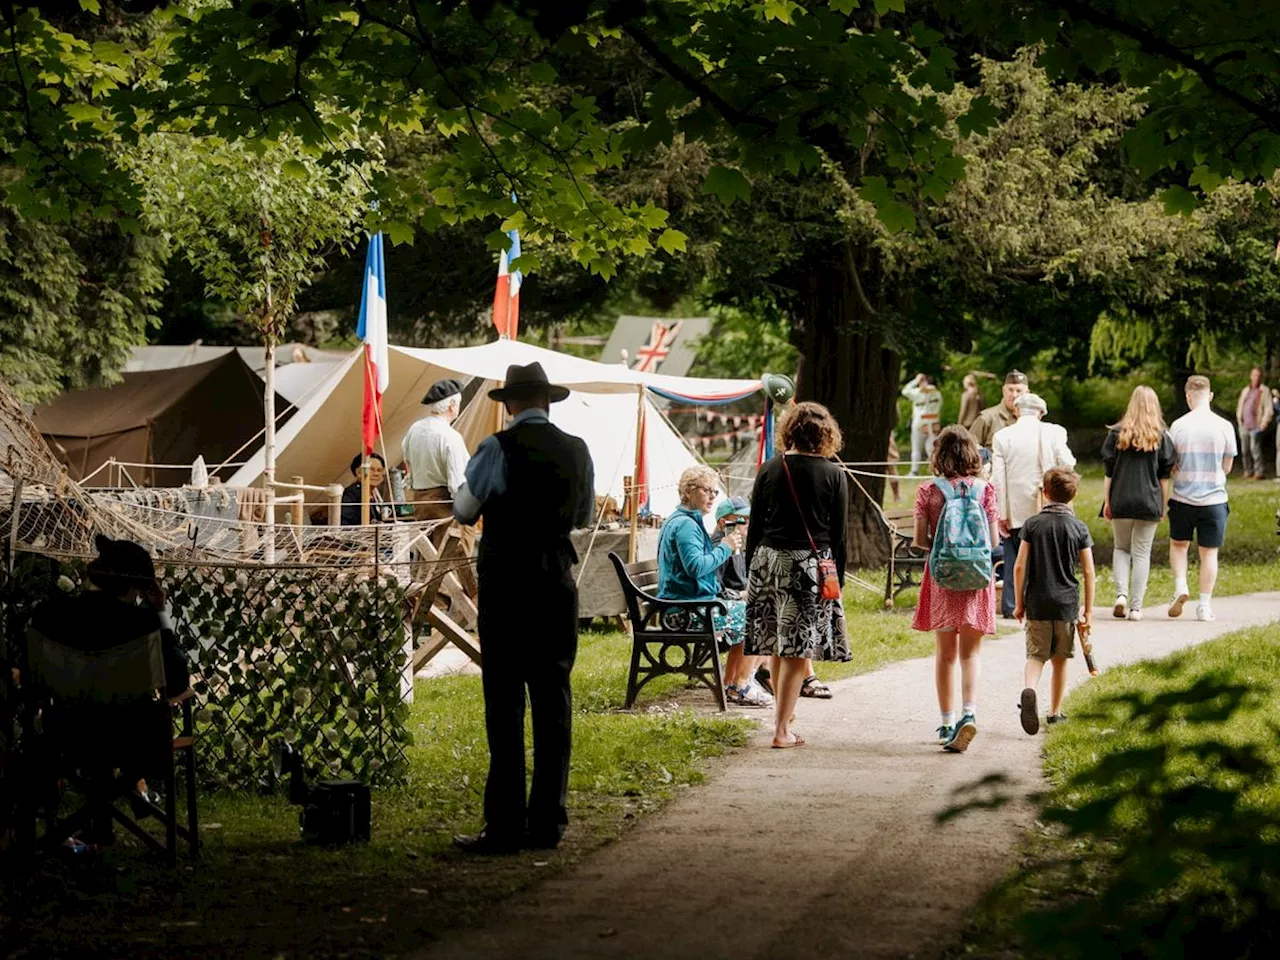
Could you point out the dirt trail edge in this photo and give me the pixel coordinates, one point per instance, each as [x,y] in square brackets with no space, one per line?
[834,849]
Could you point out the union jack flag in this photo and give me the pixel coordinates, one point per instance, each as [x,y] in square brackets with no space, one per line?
[661,337]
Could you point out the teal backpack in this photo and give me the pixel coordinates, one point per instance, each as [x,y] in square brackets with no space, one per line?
[961,554]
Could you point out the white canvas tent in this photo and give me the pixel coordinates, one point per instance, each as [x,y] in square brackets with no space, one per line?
[607,422]
[319,440]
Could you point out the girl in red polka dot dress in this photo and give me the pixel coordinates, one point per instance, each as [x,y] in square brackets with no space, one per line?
[959,619]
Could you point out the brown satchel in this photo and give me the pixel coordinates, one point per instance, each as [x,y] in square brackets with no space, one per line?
[828,578]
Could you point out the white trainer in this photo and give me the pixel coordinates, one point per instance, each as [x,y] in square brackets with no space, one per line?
[1204,612]
[1135,615]
[1179,600]
[1121,609]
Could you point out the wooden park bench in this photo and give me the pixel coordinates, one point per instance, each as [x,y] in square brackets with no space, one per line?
[668,636]
[906,563]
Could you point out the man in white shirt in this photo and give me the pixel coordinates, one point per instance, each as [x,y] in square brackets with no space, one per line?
[926,414]
[436,456]
[1021,454]
[1204,446]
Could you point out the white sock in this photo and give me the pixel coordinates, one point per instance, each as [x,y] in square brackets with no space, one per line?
[1206,599]
[1180,588]
[949,719]
[971,709]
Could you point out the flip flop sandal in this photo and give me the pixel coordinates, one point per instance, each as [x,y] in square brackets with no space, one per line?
[815,688]
[797,742]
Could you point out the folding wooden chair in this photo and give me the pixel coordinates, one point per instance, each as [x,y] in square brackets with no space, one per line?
[104,722]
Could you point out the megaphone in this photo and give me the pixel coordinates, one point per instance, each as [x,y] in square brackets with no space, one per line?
[778,387]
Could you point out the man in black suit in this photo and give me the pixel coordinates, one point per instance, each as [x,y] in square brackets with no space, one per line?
[533,484]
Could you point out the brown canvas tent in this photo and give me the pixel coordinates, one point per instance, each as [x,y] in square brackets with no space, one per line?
[164,417]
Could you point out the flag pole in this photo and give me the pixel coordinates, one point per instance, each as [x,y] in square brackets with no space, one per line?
[635,477]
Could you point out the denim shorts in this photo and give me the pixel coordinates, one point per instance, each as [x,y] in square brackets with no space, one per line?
[1206,525]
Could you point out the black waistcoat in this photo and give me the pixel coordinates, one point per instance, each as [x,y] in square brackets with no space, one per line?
[528,525]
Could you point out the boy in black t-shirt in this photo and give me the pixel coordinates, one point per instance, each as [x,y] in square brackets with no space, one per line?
[1048,594]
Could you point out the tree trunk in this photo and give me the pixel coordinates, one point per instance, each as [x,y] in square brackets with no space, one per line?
[845,366]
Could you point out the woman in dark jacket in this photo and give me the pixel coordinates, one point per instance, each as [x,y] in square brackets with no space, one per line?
[1138,456]
[787,619]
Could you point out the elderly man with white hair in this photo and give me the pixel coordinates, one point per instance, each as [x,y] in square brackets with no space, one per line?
[1021,454]
[436,457]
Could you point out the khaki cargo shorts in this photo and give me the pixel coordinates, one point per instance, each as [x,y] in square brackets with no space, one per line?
[1050,638]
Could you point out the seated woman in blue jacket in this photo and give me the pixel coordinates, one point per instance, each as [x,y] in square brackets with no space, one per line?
[689,561]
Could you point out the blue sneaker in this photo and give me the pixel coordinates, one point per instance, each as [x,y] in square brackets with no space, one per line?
[964,733]
[945,733]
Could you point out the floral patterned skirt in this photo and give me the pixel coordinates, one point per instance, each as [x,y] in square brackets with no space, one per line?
[786,617]
[731,629]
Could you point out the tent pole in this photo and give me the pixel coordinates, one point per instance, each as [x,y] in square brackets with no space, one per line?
[635,477]
[269,445]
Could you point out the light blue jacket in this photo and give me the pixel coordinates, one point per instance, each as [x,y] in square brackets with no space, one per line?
[688,562]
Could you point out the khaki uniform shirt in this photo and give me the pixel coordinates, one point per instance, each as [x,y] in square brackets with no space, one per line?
[989,421]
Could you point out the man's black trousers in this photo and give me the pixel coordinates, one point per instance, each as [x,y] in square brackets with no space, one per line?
[529,639]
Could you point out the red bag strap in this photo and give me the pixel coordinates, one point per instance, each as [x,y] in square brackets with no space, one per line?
[795,497]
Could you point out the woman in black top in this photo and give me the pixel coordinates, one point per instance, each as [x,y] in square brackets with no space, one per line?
[1138,457]
[786,617]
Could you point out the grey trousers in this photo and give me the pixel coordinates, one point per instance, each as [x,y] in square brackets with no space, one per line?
[1131,565]
[1251,452]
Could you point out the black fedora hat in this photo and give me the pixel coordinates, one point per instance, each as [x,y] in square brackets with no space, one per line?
[522,382]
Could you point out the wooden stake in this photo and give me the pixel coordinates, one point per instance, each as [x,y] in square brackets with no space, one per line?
[299,517]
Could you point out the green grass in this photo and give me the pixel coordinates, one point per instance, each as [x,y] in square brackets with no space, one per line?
[258,891]
[1161,833]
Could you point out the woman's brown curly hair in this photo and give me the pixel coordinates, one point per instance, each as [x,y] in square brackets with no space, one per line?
[809,428]
[955,454]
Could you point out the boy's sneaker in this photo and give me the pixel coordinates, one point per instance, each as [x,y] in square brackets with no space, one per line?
[1057,718]
[1029,714]
[1179,601]
[1204,612]
[964,733]
[1135,615]
[945,733]
[1121,609]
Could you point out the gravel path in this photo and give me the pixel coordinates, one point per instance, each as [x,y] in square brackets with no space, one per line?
[834,849]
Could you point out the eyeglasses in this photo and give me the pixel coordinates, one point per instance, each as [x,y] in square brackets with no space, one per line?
[710,490]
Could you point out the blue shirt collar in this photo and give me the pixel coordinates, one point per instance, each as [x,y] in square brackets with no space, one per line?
[533,415]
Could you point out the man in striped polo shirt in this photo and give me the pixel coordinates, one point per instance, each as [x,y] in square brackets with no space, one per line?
[1204,447]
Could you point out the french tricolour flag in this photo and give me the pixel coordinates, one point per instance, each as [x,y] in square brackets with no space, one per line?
[372,329]
[506,297]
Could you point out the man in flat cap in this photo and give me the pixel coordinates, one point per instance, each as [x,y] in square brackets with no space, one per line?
[436,458]
[533,484]
[1003,414]
[1021,455]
